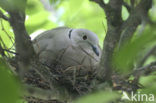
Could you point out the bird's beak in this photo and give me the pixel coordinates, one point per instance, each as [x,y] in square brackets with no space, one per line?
[95,49]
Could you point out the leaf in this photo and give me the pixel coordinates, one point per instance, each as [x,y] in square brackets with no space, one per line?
[9,87]
[11,5]
[99,97]
[149,83]
[53,1]
[125,57]
[37,17]
[6,34]
[39,21]
[125,13]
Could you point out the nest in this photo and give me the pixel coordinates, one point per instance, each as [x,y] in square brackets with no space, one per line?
[37,100]
[76,79]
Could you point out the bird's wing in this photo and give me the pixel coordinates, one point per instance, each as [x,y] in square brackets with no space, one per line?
[48,44]
[51,33]
[54,40]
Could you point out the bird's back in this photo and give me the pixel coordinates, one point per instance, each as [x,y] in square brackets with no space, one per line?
[49,43]
[54,39]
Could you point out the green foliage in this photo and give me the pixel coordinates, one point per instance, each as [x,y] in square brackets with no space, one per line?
[6,34]
[126,56]
[149,83]
[84,14]
[125,13]
[133,2]
[9,87]
[53,1]
[37,17]
[128,2]
[152,13]
[99,97]
[11,5]
[106,1]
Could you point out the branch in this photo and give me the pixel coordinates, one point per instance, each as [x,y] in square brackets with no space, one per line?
[135,18]
[113,10]
[16,19]
[127,6]
[124,84]
[146,56]
[114,20]
[145,70]
[118,30]
[23,42]
[2,51]
[101,3]
[113,13]
[10,52]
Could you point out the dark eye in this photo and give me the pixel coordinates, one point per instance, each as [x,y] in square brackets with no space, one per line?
[84,37]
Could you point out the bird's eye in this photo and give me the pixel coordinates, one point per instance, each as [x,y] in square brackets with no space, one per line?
[84,37]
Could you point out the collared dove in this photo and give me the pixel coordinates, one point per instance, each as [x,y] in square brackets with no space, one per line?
[70,47]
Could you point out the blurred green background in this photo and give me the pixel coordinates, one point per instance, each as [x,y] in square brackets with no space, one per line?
[75,14]
[42,15]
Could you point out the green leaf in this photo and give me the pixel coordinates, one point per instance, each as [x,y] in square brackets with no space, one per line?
[149,83]
[10,5]
[99,97]
[106,1]
[37,17]
[6,34]
[53,1]
[124,58]
[9,87]
[125,13]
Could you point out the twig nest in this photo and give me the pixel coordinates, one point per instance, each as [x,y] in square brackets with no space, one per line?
[76,79]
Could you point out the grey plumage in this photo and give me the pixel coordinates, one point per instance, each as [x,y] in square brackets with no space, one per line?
[78,48]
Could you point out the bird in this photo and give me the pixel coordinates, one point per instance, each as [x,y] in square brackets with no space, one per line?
[68,46]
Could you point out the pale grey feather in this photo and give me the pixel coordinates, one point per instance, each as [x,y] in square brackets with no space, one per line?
[52,44]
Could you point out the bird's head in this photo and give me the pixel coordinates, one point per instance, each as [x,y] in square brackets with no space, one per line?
[85,39]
